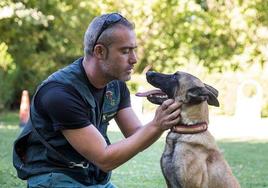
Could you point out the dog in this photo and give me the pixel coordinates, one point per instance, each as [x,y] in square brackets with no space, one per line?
[191,158]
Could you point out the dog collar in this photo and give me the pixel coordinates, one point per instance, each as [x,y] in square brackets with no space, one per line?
[190,129]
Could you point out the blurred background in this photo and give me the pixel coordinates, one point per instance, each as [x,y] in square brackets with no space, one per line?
[223,42]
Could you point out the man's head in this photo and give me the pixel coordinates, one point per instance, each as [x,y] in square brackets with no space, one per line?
[99,31]
[111,41]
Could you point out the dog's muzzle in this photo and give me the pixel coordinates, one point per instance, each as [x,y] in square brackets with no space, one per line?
[190,129]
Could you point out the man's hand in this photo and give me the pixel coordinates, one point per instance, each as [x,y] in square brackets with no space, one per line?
[167,115]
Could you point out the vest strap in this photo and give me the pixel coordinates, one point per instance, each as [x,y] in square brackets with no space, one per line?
[68,163]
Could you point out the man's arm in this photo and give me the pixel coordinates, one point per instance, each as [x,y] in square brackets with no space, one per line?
[91,144]
[127,121]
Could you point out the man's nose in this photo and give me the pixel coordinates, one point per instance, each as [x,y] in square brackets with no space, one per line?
[133,58]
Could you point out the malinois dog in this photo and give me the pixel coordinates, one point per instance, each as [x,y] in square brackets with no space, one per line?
[191,158]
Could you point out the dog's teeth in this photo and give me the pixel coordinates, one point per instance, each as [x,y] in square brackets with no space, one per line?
[163,96]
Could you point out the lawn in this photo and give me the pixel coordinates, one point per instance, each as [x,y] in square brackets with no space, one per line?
[248,160]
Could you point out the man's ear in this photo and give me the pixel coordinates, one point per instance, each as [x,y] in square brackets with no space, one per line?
[100,51]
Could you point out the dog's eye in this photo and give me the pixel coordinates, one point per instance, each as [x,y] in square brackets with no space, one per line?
[174,77]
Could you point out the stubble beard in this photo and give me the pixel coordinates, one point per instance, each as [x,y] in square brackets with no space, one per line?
[124,78]
[115,76]
[111,73]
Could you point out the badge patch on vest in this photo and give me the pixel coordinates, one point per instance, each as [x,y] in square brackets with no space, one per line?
[111,101]
[109,95]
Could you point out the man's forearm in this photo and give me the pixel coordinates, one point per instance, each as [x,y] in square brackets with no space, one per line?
[120,152]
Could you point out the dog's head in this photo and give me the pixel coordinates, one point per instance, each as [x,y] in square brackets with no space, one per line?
[180,86]
[186,89]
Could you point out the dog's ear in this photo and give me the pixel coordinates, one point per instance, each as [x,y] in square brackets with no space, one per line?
[199,94]
[212,90]
[213,94]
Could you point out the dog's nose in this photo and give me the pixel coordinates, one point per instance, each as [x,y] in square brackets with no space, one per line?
[149,73]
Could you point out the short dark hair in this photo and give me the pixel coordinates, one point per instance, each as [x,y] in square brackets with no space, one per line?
[98,25]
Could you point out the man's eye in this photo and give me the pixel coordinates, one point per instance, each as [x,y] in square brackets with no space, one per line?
[125,51]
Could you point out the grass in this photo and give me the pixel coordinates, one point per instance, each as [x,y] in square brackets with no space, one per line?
[248,160]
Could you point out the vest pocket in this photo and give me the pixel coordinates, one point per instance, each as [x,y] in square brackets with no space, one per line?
[19,152]
[106,117]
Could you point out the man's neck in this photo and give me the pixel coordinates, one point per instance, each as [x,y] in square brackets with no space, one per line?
[93,74]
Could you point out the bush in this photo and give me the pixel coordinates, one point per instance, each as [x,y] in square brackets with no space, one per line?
[7,76]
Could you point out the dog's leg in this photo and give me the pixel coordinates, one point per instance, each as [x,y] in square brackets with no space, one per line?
[167,166]
[220,173]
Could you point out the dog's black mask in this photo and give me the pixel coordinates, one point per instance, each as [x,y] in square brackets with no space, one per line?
[165,82]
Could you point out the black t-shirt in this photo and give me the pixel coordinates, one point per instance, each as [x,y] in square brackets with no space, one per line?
[63,106]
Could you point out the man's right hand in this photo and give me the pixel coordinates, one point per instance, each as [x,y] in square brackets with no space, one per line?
[167,115]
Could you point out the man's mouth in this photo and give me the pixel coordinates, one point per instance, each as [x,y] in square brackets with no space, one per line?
[155,96]
[130,70]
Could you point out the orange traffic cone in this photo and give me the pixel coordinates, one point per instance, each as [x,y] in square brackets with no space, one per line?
[24,108]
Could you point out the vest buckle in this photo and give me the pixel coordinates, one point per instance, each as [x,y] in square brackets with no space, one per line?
[80,165]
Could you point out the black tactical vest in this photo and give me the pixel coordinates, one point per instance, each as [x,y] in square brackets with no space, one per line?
[31,157]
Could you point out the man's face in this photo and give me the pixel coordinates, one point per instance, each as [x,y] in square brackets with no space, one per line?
[121,57]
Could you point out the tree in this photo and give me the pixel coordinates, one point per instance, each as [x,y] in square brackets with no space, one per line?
[220,35]
[7,75]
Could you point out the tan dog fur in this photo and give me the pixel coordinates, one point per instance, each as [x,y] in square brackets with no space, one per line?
[194,160]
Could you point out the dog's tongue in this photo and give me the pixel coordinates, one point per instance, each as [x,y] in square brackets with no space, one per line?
[148,93]
[155,96]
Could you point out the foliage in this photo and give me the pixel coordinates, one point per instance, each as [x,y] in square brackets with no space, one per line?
[38,40]
[7,74]
[43,36]
[224,37]
[247,159]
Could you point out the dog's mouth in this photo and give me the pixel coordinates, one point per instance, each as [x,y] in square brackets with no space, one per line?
[155,96]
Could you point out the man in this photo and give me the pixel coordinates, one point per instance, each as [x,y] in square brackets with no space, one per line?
[65,143]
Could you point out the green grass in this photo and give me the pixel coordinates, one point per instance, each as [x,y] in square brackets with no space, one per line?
[248,160]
